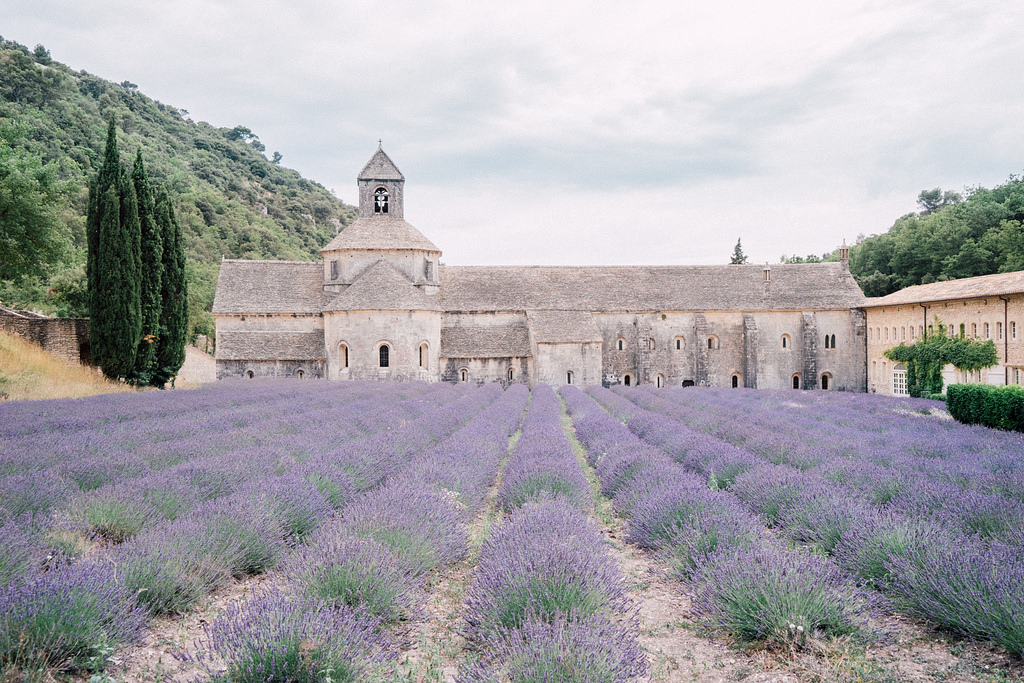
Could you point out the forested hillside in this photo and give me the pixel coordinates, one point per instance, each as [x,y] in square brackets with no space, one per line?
[231,200]
[953,236]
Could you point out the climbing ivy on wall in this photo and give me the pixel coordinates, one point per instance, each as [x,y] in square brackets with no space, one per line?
[926,358]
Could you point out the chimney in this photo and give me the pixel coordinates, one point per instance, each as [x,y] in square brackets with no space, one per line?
[844,256]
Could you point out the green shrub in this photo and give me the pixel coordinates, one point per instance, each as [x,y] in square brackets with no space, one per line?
[998,407]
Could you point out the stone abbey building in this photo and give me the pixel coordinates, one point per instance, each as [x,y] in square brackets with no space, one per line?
[381,307]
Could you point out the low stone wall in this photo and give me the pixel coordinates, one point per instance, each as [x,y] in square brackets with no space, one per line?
[66,338]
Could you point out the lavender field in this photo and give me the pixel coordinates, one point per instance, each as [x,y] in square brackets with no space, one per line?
[312,531]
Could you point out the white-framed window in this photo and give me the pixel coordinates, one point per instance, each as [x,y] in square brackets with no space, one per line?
[999,331]
[1013,329]
[899,380]
[985,330]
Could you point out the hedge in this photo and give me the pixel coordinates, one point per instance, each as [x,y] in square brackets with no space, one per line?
[999,407]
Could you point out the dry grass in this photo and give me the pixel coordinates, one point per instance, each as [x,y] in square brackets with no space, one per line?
[27,373]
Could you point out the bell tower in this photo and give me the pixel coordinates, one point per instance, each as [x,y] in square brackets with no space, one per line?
[381,189]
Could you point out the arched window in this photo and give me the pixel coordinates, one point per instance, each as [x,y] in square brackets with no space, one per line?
[249,374]
[825,380]
[343,355]
[568,377]
[424,356]
[680,342]
[621,343]
[300,373]
[627,379]
[380,200]
[511,374]
[833,341]
[827,343]
[659,381]
[463,375]
[785,341]
[796,381]
[899,379]
[712,342]
[735,381]
[384,356]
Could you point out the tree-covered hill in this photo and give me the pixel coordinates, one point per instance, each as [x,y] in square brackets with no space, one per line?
[953,236]
[231,200]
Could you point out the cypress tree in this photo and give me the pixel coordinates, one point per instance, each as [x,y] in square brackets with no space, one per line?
[151,269]
[113,266]
[174,298]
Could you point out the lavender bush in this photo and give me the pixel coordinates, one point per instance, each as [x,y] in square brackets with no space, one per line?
[276,638]
[62,617]
[423,528]
[971,588]
[546,562]
[781,598]
[593,651]
[341,570]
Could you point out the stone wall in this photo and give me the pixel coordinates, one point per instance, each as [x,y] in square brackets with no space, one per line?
[66,338]
[252,369]
[486,370]
[888,326]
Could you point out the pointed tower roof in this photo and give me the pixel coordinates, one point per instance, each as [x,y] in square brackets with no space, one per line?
[380,167]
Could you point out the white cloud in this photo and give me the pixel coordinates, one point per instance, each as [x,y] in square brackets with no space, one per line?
[790,124]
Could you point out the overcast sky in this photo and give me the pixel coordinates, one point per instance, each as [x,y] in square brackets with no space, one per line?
[590,132]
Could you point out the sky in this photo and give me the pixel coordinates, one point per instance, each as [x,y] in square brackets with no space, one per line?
[587,133]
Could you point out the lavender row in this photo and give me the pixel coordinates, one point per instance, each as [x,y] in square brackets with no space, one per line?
[907,489]
[543,464]
[244,528]
[971,584]
[743,582]
[364,571]
[548,603]
[821,430]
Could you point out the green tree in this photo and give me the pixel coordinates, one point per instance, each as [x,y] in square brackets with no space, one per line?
[932,200]
[114,266]
[152,247]
[174,308]
[738,257]
[32,234]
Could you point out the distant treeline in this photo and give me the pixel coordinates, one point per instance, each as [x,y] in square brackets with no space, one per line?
[231,199]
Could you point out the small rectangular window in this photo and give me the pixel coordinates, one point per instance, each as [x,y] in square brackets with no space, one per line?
[334,269]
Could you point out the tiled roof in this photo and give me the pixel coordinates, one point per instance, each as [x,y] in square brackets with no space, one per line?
[648,288]
[965,288]
[380,167]
[563,327]
[270,345]
[380,232]
[269,287]
[485,341]
[382,288]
